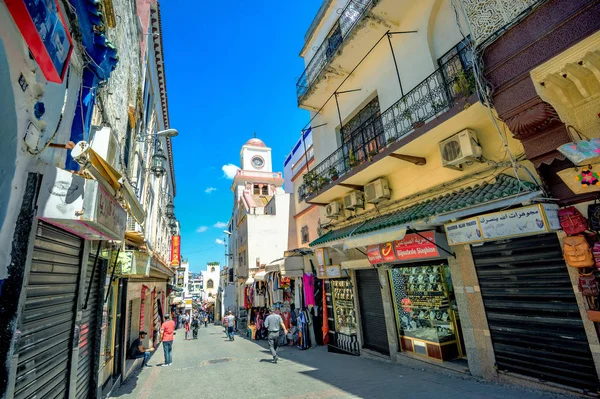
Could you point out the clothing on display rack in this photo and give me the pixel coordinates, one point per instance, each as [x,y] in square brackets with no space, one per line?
[309,290]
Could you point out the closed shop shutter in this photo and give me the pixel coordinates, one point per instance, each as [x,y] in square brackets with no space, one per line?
[89,326]
[535,324]
[48,317]
[374,330]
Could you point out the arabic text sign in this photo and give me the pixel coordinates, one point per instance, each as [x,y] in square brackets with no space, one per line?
[175,250]
[515,222]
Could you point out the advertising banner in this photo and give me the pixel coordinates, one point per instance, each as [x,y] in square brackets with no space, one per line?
[175,250]
[411,247]
[44,29]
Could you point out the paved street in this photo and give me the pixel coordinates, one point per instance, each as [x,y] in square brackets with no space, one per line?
[213,367]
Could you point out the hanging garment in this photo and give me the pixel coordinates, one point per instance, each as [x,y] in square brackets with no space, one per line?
[286,316]
[325,328]
[309,290]
[298,293]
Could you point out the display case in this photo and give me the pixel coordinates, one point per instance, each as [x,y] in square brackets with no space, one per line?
[343,304]
[426,310]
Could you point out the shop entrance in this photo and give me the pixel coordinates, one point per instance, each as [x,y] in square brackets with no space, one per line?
[374,332]
[534,321]
[426,311]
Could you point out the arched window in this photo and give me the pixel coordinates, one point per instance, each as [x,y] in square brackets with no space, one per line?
[209,284]
[212,269]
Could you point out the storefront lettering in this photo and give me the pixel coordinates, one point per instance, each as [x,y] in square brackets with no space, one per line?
[413,246]
[533,219]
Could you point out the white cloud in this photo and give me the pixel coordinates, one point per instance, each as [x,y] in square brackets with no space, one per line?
[229,170]
[210,190]
[201,229]
[219,241]
[220,225]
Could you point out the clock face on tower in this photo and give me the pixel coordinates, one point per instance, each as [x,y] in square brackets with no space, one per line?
[258,162]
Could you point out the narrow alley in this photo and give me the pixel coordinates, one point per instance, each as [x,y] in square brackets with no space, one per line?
[214,367]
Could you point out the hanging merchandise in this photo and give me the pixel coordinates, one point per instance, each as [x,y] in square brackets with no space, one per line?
[309,290]
[577,252]
[581,151]
[596,254]
[587,177]
[581,180]
[572,221]
[588,286]
[594,215]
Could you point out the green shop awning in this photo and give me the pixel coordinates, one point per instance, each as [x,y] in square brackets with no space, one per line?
[505,186]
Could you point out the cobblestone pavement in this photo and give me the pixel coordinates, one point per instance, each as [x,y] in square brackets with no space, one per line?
[214,367]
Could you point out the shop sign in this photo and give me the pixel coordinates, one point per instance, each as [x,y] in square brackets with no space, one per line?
[175,250]
[322,260]
[81,206]
[43,27]
[411,247]
[130,263]
[528,220]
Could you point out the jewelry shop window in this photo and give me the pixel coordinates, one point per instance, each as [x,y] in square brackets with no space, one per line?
[426,312]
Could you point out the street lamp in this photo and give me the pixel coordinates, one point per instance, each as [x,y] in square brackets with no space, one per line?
[173,223]
[163,133]
[170,209]
[159,161]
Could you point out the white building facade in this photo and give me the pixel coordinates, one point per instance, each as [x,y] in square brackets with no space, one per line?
[260,220]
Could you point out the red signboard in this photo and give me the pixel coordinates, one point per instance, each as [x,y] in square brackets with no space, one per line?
[176,251]
[417,247]
[411,247]
[374,254]
[43,27]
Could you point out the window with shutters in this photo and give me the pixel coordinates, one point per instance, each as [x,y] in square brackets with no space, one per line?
[304,234]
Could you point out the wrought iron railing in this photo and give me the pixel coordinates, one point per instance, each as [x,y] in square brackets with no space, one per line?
[349,18]
[436,94]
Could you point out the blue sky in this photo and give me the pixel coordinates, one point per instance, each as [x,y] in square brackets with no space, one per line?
[231,71]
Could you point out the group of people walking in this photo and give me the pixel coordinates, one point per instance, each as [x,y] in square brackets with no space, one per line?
[273,322]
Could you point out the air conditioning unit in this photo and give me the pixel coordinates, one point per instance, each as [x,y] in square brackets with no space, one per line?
[377,191]
[460,148]
[333,210]
[354,200]
[133,225]
[106,144]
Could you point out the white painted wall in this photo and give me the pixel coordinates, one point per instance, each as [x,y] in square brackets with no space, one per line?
[211,275]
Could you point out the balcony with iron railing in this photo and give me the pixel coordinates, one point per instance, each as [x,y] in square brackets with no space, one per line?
[349,18]
[435,95]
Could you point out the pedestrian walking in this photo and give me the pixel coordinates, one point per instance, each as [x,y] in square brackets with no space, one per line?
[205,321]
[195,326]
[224,321]
[230,326]
[137,350]
[167,331]
[186,327]
[274,324]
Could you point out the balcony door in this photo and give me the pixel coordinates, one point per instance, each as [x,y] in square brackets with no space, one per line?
[363,134]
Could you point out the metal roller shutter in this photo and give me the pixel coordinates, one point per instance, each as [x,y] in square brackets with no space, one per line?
[48,317]
[89,327]
[374,330]
[535,324]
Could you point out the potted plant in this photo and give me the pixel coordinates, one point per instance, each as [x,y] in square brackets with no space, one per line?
[372,153]
[322,182]
[352,159]
[463,85]
[333,173]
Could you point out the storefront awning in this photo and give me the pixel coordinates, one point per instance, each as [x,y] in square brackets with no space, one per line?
[460,203]
[275,266]
[260,276]
[376,237]
[250,281]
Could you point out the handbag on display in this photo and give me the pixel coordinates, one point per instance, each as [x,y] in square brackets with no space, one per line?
[588,285]
[594,215]
[581,150]
[577,252]
[572,221]
[596,254]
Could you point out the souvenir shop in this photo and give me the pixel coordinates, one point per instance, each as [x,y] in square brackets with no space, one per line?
[531,308]
[285,286]
[427,318]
